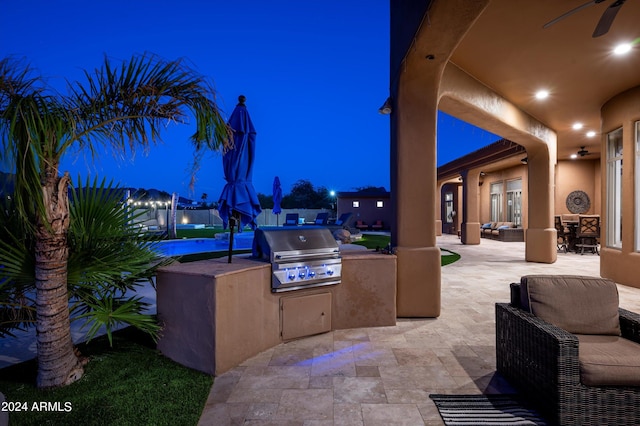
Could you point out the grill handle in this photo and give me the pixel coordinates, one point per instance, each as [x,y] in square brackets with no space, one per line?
[306,255]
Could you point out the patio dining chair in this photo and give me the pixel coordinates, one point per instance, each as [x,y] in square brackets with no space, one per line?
[562,234]
[588,233]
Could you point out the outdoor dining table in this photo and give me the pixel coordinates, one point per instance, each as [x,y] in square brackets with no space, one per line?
[572,227]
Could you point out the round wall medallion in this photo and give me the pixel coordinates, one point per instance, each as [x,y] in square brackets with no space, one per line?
[578,202]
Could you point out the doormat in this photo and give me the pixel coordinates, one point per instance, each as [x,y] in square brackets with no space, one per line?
[463,410]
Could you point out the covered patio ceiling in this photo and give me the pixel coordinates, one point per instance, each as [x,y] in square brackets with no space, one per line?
[508,50]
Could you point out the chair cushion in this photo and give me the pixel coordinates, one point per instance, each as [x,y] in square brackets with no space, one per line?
[608,361]
[577,304]
[486,225]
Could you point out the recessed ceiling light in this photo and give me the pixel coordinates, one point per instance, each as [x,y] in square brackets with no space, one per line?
[591,134]
[542,94]
[622,48]
[577,126]
[574,156]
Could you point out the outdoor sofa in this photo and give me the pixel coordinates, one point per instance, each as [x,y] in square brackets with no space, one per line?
[502,231]
[567,347]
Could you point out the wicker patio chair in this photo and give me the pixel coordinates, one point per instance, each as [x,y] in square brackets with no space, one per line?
[541,361]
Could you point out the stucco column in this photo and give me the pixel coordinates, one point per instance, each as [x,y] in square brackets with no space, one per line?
[438,201]
[414,191]
[415,87]
[541,234]
[470,207]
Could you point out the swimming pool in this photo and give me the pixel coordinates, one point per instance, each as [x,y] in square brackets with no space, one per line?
[241,241]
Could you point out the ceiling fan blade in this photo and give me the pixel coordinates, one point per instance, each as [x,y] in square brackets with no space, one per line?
[607,18]
[571,12]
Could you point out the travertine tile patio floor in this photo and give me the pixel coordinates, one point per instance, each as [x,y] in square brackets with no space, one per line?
[384,375]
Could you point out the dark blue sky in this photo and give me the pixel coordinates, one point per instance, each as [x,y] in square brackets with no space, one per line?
[314,74]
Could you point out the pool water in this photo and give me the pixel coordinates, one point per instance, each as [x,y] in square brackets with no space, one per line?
[241,241]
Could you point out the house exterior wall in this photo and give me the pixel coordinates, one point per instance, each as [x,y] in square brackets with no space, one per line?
[368,211]
[621,264]
[578,175]
[518,172]
[571,175]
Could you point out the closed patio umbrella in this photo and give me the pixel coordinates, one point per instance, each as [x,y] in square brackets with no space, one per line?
[238,202]
[277,198]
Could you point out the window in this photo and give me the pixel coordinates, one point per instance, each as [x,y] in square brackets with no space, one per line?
[514,201]
[637,212]
[448,207]
[614,189]
[379,204]
[496,202]
[356,204]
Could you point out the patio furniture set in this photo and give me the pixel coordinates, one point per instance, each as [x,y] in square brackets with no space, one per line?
[378,225]
[577,232]
[502,231]
[322,219]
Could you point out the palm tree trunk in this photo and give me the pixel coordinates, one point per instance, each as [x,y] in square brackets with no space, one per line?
[172,231]
[57,363]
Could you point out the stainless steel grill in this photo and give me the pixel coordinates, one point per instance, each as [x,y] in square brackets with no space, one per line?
[301,256]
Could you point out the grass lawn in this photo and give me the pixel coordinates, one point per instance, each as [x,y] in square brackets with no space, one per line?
[370,241]
[129,384]
[200,233]
[374,241]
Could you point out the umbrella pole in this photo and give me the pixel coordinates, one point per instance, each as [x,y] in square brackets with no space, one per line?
[232,224]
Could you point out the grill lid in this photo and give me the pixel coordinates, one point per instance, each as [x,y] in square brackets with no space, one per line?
[304,240]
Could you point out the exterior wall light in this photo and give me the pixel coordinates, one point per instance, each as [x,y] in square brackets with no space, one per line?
[386,109]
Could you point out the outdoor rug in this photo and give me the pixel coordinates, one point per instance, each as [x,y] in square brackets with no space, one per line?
[468,410]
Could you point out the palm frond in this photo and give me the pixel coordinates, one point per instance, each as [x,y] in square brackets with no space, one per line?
[111,312]
[104,247]
[109,259]
[130,105]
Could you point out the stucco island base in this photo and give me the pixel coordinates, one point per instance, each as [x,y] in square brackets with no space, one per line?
[215,314]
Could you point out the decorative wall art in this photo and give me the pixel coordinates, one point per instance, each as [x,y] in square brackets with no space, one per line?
[578,202]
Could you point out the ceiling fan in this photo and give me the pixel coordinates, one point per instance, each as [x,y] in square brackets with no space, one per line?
[582,152]
[605,20]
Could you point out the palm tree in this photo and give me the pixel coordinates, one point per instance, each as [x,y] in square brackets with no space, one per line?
[109,259]
[122,107]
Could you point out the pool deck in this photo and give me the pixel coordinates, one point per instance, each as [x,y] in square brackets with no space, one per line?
[384,375]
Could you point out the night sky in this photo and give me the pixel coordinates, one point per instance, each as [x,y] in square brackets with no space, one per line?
[314,74]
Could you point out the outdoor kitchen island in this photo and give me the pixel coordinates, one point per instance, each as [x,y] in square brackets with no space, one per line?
[215,314]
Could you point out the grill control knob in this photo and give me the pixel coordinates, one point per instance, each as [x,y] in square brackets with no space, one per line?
[311,274]
[291,275]
[302,274]
[329,271]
